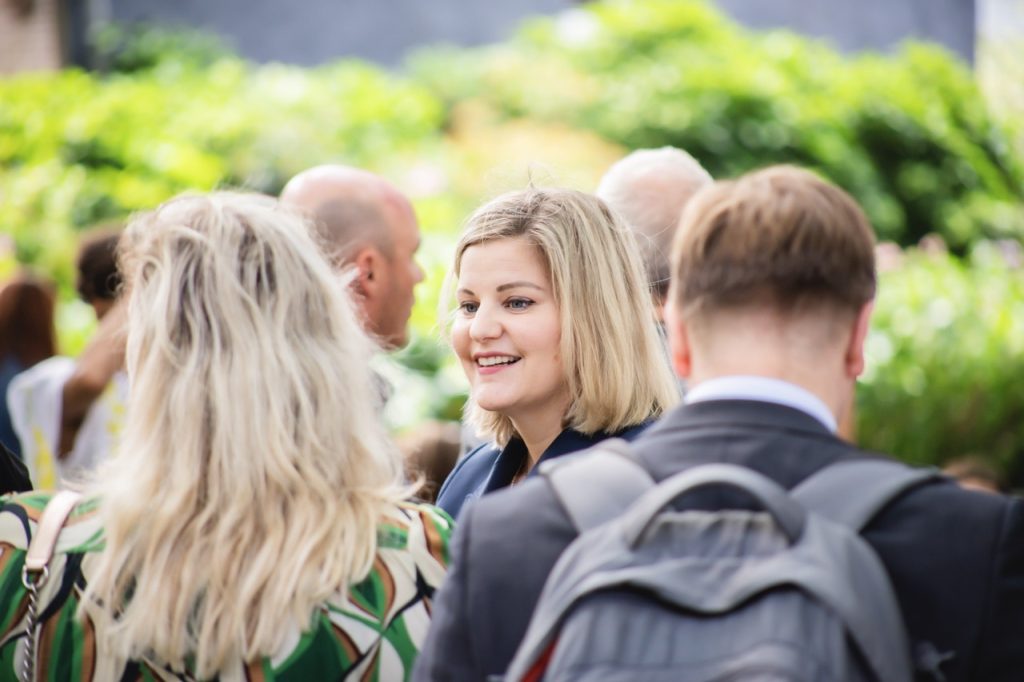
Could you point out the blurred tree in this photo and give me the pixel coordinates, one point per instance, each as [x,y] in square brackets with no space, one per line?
[909,135]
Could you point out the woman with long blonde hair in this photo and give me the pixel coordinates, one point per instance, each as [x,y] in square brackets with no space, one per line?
[253,523]
[555,331]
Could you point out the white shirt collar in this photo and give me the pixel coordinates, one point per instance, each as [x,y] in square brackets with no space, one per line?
[764,389]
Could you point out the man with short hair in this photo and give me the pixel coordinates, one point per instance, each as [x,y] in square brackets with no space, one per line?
[649,188]
[368,225]
[773,279]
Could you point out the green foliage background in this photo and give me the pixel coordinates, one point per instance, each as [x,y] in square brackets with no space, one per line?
[909,135]
[945,358]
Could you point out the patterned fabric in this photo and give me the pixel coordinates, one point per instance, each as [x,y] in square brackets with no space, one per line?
[370,632]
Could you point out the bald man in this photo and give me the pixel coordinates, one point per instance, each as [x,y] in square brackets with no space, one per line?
[370,226]
[649,188]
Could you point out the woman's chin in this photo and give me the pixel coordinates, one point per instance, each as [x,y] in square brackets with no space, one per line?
[493,403]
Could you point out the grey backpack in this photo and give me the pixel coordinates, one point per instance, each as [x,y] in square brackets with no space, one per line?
[646,592]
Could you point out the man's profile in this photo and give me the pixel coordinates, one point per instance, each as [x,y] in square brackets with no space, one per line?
[368,225]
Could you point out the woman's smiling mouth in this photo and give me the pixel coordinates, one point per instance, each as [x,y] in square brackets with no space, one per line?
[489,364]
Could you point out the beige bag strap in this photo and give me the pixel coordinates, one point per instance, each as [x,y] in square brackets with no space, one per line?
[40,550]
[36,570]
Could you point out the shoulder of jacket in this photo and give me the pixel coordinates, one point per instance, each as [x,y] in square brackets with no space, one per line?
[632,432]
[479,460]
[468,473]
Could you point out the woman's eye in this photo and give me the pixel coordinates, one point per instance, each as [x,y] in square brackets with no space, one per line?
[468,307]
[519,303]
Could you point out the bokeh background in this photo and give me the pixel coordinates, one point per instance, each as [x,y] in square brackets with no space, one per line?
[916,108]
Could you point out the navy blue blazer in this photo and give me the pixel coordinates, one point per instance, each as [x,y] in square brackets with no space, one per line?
[490,468]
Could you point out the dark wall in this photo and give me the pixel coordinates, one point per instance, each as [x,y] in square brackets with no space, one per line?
[315,31]
[859,25]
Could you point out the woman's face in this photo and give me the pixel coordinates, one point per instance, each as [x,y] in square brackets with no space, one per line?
[507,330]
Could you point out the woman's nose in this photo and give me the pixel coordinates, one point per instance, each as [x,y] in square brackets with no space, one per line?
[485,324]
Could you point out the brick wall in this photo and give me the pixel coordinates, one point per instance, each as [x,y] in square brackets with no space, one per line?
[29,35]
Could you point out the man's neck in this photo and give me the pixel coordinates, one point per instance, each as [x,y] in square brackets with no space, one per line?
[824,380]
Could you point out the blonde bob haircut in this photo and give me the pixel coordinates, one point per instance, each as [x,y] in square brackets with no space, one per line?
[252,471]
[617,369]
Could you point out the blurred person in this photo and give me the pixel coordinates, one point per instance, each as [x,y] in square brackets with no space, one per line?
[555,333]
[973,473]
[368,225]
[649,188]
[253,522]
[27,337]
[68,412]
[773,282]
[431,451]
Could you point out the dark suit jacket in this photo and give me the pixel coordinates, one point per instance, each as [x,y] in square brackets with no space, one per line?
[956,558]
[489,468]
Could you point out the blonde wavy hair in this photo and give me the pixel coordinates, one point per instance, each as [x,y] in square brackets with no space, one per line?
[617,368]
[253,470]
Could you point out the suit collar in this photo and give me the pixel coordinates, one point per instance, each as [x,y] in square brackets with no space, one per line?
[510,460]
[731,413]
[775,440]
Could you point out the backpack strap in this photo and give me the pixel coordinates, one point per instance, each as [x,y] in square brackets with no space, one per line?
[853,492]
[596,485]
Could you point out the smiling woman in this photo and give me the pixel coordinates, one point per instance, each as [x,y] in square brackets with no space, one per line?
[555,331]
[506,334]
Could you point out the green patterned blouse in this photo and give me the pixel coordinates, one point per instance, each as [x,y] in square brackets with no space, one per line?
[370,632]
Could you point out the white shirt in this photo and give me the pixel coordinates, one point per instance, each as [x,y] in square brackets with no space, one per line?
[765,389]
[34,399]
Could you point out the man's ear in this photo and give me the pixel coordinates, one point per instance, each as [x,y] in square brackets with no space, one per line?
[680,349]
[853,360]
[368,262]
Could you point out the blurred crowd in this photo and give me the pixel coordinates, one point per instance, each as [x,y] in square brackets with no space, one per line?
[233,506]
